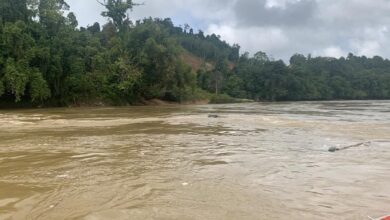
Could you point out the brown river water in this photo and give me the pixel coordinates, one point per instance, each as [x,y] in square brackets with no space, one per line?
[255,161]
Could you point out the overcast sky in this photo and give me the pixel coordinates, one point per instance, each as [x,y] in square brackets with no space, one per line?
[278,27]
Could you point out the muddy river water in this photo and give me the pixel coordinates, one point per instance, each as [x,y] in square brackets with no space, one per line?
[255,161]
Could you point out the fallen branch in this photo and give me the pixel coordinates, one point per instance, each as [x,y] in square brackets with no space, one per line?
[334,149]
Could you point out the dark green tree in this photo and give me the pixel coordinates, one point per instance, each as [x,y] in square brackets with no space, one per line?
[117,11]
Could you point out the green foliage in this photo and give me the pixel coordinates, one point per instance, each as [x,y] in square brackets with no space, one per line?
[45,58]
[261,57]
[127,77]
[234,86]
[2,88]
[209,48]
[39,90]
[16,39]
[117,11]
[222,99]
[319,78]
[51,15]
[297,60]
[12,11]
[15,78]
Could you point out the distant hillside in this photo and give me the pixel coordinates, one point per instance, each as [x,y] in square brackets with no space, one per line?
[47,60]
[209,48]
[195,62]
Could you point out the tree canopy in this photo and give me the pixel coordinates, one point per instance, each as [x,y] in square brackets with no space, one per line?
[117,11]
[47,59]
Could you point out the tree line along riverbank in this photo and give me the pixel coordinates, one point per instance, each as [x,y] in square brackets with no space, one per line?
[47,59]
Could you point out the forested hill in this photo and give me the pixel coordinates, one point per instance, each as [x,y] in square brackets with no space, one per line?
[47,59]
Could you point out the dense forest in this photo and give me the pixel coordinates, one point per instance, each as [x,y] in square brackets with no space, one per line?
[47,59]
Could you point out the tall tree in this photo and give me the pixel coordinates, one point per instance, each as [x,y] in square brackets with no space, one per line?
[51,15]
[117,11]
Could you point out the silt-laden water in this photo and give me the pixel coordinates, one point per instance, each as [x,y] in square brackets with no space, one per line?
[255,161]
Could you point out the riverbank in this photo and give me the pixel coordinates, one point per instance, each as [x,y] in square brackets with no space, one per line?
[211,99]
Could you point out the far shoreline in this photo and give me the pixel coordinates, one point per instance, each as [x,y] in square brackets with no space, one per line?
[160,102]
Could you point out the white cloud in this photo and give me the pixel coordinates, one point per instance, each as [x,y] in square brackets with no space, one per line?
[267,39]
[333,51]
[278,27]
[367,48]
[279,3]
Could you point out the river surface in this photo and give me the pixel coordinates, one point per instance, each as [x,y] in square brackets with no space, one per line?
[255,161]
